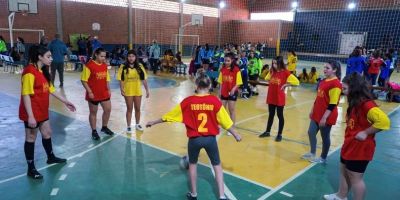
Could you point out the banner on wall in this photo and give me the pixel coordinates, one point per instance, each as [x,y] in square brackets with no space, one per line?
[349,40]
[73,39]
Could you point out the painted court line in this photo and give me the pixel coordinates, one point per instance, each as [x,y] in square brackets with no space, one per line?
[286,194]
[90,146]
[62,177]
[260,115]
[268,194]
[71,164]
[70,158]
[54,191]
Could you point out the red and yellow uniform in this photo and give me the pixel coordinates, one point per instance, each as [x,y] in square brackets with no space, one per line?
[375,65]
[276,96]
[38,88]
[97,77]
[329,91]
[132,83]
[201,115]
[362,117]
[228,79]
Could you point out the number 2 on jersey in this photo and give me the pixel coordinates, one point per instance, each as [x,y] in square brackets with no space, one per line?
[203,118]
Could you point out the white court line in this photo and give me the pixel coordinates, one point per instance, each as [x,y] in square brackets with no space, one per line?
[90,146]
[260,115]
[54,191]
[70,158]
[286,194]
[71,164]
[62,177]
[268,194]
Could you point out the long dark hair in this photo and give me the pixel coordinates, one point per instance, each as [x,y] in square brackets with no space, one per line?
[293,53]
[336,65]
[97,52]
[136,66]
[232,57]
[359,90]
[280,64]
[34,52]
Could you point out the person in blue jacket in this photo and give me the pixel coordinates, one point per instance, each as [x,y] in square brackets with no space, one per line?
[355,63]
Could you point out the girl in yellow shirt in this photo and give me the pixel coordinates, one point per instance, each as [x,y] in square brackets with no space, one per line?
[131,76]
[292,62]
[313,75]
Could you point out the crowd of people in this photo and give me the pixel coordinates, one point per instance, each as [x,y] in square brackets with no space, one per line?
[237,70]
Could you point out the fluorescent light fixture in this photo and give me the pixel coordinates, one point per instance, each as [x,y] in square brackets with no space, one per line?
[351,6]
[295,4]
[222,4]
[157,5]
[286,16]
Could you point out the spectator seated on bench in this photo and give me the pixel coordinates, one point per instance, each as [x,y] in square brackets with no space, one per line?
[9,63]
[168,62]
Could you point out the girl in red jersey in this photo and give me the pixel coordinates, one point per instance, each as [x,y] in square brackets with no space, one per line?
[230,79]
[279,78]
[201,114]
[95,79]
[375,64]
[364,119]
[34,106]
[324,113]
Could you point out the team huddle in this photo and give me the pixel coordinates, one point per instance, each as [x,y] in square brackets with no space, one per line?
[203,113]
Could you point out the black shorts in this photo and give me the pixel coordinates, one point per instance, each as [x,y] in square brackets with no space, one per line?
[37,124]
[355,165]
[96,103]
[230,97]
[209,143]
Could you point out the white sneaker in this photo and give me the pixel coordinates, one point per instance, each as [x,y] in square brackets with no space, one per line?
[333,197]
[308,156]
[228,134]
[318,160]
[139,127]
[129,130]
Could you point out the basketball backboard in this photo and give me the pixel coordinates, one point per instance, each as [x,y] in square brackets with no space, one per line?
[25,6]
[197,19]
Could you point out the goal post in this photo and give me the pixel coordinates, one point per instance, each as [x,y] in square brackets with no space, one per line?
[185,43]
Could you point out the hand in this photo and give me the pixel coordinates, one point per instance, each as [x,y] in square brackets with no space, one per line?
[147,94]
[310,115]
[70,106]
[32,122]
[122,92]
[284,86]
[91,95]
[322,123]
[362,135]
[232,92]
[149,124]
[238,138]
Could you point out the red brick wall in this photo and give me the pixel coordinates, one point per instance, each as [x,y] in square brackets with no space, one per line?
[148,25]
[285,5]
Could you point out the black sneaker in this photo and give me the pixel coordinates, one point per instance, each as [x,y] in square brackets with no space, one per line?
[95,135]
[106,130]
[190,197]
[33,173]
[265,134]
[278,138]
[56,160]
